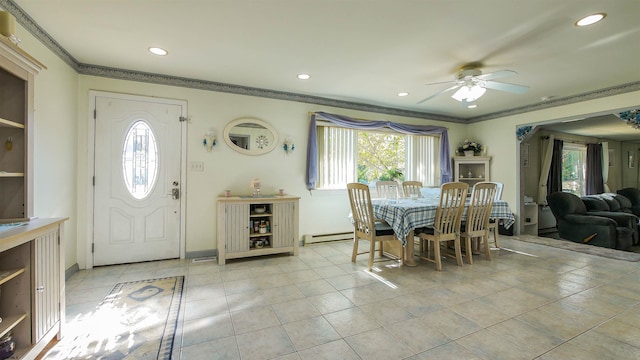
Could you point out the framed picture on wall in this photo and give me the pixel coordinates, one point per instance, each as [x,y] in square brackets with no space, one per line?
[631,159]
[612,158]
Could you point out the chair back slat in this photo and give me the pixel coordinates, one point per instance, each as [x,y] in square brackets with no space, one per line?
[482,196]
[412,188]
[449,213]
[361,209]
[388,189]
[499,187]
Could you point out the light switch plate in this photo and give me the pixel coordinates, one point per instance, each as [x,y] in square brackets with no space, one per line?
[197,166]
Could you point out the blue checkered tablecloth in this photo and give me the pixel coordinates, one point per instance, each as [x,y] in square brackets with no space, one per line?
[405,215]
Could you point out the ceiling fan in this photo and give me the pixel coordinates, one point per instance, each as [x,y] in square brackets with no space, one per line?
[471,84]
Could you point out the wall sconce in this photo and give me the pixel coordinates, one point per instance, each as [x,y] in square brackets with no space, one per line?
[8,27]
[288,145]
[209,140]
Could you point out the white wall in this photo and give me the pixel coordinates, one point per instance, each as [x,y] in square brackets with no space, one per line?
[225,168]
[55,139]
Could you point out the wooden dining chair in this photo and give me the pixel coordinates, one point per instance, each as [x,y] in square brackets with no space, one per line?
[493,224]
[412,188]
[388,189]
[446,227]
[476,224]
[366,227]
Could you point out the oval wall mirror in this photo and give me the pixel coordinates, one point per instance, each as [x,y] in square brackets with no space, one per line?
[250,136]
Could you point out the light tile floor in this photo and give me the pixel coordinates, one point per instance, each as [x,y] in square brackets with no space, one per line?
[530,302]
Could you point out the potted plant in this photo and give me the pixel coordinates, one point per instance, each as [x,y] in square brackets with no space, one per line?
[470,148]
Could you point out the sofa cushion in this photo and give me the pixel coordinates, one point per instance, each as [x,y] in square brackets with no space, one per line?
[625,204]
[565,203]
[595,203]
[614,205]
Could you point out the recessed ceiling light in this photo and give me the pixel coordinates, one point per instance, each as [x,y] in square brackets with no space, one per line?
[403,93]
[591,19]
[303,76]
[158,51]
[472,106]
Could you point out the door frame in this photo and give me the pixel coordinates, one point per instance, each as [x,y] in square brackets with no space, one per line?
[91,128]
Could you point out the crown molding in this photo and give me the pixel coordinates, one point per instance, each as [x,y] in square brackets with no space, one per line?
[103,71]
[30,25]
[592,95]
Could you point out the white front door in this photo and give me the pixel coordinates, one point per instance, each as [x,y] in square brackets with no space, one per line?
[137,191]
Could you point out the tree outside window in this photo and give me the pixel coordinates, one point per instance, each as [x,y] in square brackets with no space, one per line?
[349,155]
[574,168]
[381,156]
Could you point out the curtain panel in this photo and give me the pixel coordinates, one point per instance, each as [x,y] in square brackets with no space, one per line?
[554,182]
[345,121]
[594,182]
[543,189]
[605,166]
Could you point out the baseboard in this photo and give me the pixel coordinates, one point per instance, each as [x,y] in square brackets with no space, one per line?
[70,271]
[201,254]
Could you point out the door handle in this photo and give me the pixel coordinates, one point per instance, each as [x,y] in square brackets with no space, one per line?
[175,193]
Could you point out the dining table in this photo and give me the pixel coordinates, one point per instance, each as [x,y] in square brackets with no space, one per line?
[406,214]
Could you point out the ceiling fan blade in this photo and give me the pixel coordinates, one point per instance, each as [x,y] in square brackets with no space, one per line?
[497,75]
[438,93]
[512,88]
[444,82]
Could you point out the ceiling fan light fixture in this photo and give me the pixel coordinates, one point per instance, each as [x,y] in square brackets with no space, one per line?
[469,93]
[590,19]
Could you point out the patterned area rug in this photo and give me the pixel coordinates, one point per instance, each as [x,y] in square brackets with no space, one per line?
[136,320]
[582,248]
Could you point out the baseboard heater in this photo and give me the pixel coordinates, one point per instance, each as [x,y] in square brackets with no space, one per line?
[319,238]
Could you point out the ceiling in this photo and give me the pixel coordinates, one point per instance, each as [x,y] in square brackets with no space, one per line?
[357,52]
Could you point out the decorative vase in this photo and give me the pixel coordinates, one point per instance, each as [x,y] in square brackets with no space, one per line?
[468,153]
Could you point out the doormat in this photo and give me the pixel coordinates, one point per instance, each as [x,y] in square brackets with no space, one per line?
[136,320]
[581,248]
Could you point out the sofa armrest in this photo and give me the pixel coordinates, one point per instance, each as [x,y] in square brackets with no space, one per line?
[621,218]
[590,220]
[577,228]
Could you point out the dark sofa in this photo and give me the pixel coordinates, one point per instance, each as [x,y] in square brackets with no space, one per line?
[616,207]
[576,224]
[633,194]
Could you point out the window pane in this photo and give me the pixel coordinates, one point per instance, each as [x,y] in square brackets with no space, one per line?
[381,156]
[139,160]
[347,155]
[573,169]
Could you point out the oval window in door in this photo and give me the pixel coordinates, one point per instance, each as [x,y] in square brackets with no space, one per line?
[139,160]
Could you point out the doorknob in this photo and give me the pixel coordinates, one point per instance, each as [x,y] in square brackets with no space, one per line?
[175,193]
